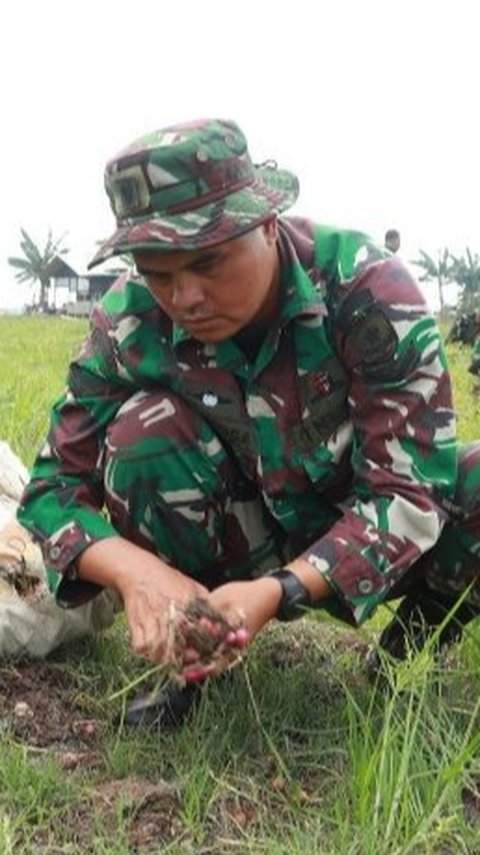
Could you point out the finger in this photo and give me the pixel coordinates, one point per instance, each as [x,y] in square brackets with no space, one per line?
[213,628]
[157,642]
[237,638]
[190,655]
[139,621]
[137,637]
[148,639]
[147,649]
[195,674]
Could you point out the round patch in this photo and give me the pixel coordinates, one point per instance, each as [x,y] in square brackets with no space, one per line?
[372,339]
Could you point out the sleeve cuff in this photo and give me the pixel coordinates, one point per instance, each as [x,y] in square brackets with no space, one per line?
[355,582]
[60,553]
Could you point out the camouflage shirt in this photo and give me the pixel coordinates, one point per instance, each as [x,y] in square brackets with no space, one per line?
[344,416]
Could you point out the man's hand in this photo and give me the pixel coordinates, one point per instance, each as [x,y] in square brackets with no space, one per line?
[203,642]
[247,607]
[158,597]
[148,597]
[255,600]
[147,585]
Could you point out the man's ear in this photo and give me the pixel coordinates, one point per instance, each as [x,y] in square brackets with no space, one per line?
[270,228]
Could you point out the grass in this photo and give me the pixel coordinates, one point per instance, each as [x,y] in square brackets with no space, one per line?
[34,352]
[296,754]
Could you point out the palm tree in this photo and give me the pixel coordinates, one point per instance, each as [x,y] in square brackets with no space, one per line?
[466,271]
[35,264]
[439,271]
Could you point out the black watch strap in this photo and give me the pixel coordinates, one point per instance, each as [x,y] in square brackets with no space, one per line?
[295,596]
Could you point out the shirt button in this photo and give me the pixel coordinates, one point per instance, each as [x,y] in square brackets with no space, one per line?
[55,552]
[365,586]
[210,399]
[202,155]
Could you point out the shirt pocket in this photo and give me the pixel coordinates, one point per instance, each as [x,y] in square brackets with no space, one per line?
[323,433]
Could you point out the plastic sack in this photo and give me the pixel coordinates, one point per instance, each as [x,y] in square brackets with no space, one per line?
[31,623]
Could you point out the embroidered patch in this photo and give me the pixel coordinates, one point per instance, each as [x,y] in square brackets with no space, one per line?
[323,396]
[371,341]
[320,382]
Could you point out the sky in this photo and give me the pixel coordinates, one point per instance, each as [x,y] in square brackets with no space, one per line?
[373,104]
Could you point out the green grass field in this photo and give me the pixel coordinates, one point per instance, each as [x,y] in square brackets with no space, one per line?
[296,754]
[34,353]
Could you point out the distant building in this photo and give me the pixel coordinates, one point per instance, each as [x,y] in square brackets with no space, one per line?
[75,293]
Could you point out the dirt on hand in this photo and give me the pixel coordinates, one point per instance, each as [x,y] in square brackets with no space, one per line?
[201,637]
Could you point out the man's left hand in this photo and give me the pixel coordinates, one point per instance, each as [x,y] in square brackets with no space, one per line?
[248,605]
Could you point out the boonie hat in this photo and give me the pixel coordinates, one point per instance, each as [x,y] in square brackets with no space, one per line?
[190,186]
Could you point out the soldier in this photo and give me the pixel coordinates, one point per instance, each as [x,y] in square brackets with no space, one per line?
[474,367]
[261,416]
[465,328]
[392,240]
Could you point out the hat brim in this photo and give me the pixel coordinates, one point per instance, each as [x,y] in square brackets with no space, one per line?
[273,191]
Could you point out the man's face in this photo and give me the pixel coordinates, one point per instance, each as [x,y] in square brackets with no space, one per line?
[393,243]
[214,293]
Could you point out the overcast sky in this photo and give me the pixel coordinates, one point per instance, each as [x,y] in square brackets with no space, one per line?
[374,105]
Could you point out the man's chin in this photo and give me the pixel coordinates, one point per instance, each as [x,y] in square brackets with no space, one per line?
[210,338]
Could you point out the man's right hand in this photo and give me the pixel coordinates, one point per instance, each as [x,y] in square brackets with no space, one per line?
[148,586]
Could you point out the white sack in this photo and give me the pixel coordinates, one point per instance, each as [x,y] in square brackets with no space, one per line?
[31,624]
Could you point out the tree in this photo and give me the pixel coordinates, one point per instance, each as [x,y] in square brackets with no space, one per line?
[466,272]
[35,264]
[439,271]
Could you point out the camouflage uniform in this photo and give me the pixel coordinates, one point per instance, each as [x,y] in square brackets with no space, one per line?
[335,442]
[465,328]
[338,440]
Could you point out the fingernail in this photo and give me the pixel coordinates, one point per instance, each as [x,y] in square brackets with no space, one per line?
[192,675]
[237,637]
[243,637]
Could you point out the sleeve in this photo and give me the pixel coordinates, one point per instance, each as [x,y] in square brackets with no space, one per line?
[62,505]
[404,450]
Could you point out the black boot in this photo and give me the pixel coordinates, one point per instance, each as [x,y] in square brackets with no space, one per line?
[417,618]
[162,710]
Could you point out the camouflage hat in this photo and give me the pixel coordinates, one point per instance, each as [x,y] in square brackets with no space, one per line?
[190,186]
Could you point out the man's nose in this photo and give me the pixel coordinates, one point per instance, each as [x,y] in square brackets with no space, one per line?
[187,291]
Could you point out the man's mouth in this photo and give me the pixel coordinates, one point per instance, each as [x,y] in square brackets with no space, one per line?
[198,320]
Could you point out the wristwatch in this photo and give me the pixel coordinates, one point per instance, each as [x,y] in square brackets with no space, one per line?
[295,596]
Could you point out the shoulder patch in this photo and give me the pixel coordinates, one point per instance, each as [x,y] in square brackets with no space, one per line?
[371,341]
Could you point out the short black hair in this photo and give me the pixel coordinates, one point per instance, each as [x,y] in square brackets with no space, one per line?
[392,233]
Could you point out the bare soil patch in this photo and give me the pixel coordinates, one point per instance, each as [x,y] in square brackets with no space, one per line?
[43,707]
[55,710]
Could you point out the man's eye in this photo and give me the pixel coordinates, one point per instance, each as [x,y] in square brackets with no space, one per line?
[160,278]
[204,266]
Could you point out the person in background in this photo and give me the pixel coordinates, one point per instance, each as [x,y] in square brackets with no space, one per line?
[392,240]
[260,418]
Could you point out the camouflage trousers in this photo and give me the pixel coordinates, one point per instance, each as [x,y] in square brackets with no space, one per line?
[173,488]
